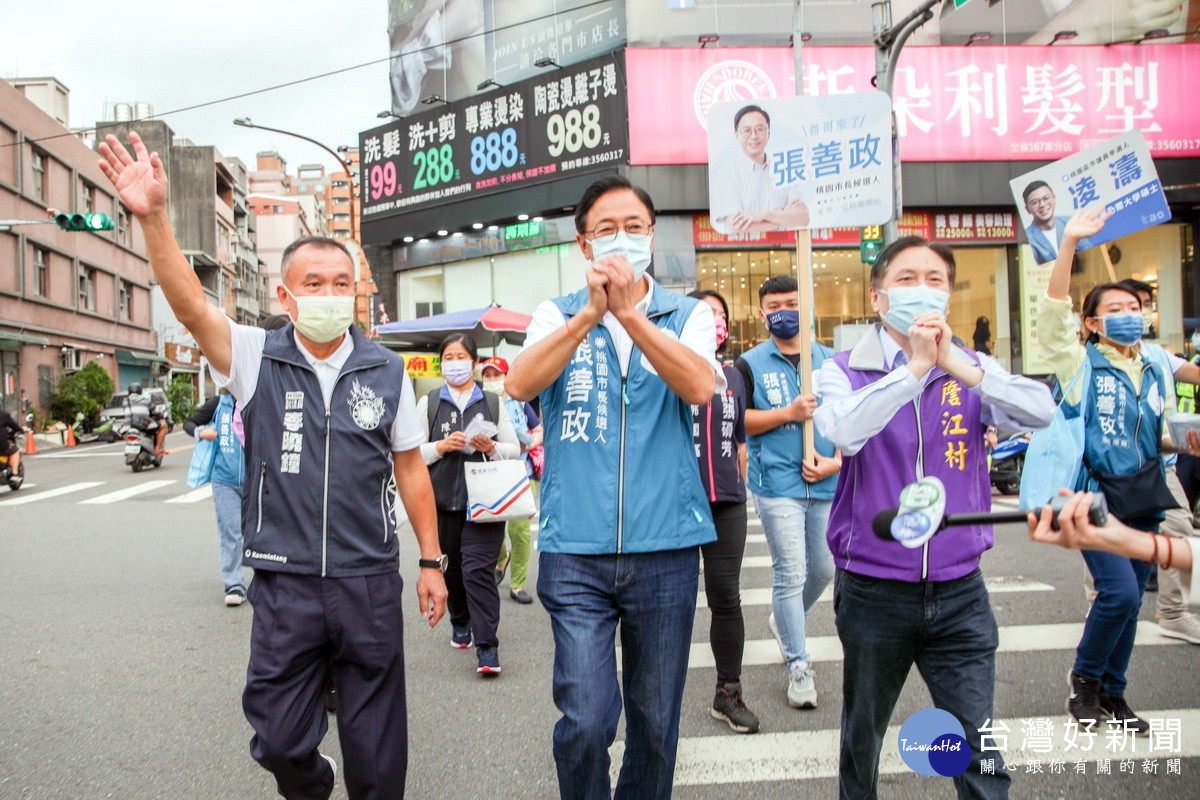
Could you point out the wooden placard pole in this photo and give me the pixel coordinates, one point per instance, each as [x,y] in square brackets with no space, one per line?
[804,280]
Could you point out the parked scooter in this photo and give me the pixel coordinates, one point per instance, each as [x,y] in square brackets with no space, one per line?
[139,448]
[7,477]
[1008,459]
[104,432]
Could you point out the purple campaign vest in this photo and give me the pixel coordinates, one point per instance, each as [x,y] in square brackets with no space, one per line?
[946,441]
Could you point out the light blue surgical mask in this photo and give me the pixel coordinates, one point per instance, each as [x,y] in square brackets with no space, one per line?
[906,303]
[636,250]
[1124,328]
[1196,341]
[457,372]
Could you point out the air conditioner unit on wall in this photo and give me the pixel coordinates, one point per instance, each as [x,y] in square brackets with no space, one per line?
[71,359]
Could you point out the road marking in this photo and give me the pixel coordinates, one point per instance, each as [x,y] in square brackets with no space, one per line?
[33,498]
[756,538]
[79,455]
[195,496]
[125,494]
[798,755]
[762,596]
[1013,639]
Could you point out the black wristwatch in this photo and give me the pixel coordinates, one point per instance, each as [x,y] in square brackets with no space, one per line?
[440,563]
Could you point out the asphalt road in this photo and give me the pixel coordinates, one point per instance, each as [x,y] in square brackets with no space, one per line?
[123,669]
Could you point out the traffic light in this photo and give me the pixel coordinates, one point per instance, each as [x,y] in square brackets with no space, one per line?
[84,222]
[871,243]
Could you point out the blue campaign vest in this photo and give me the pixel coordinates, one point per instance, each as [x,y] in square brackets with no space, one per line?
[320,495]
[1122,426]
[520,423]
[1156,354]
[774,457]
[230,464]
[620,472]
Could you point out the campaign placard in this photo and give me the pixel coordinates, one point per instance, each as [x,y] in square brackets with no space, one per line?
[1118,174]
[791,163]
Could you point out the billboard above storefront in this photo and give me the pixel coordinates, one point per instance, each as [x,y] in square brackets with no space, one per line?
[951,226]
[567,122]
[993,103]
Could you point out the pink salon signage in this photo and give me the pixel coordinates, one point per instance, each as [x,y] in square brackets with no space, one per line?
[997,103]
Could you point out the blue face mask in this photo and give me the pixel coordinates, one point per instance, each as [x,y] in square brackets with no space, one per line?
[1125,328]
[784,323]
[906,303]
[636,250]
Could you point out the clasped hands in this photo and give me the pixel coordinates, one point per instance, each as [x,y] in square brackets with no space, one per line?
[457,441]
[610,285]
[929,340]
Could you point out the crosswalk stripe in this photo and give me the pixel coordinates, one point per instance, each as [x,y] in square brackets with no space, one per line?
[762,596]
[33,498]
[1013,639]
[194,496]
[797,755]
[756,538]
[125,494]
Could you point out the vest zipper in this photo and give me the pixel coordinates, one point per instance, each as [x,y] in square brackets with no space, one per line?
[921,474]
[383,506]
[621,471]
[325,503]
[712,481]
[262,480]
[1137,427]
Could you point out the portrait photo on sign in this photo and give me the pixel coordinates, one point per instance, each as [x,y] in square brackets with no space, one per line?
[1117,173]
[799,162]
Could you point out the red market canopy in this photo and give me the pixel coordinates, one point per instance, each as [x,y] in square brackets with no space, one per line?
[487,326]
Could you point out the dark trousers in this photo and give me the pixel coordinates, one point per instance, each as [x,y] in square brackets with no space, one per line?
[1187,469]
[948,630]
[473,550]
[722,575]
[1108,635]
[301,623]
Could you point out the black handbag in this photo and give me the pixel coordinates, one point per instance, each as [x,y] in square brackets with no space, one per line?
[1140,495]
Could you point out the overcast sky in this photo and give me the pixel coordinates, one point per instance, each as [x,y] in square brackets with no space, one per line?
[174,55]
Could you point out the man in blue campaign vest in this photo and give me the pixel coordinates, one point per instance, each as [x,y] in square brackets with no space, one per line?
[618,365]
[791,496]
[214,421]
[331,438]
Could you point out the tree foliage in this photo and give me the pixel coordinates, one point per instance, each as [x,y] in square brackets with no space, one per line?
[181,394]
[82,392]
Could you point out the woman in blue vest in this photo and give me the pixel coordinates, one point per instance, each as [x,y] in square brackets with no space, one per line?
[719,431]
[214,420]
[1122,398]
[472,548]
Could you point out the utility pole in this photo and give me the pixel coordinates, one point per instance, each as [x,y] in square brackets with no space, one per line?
[889,39]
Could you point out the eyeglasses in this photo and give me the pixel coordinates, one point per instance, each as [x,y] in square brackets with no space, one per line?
[757,130]
[607,232]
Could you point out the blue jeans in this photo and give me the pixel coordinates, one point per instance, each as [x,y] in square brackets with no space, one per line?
[948,630]
[653,597]
[227,499]
[801,564]
[1107,644]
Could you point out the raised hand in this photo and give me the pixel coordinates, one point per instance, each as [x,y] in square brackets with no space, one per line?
[141,184]
[1086,223]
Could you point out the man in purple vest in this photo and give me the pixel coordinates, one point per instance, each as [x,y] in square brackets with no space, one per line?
[903,404]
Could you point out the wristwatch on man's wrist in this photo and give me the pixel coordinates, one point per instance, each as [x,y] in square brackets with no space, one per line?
[440,563]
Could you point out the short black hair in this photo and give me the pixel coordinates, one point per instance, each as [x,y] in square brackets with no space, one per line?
[305,241]
[465,340]
[879,268]
[1138,287]
[777,284]
[601,187]
[274,322]
[1091,303]
[1031,188]
[737,118]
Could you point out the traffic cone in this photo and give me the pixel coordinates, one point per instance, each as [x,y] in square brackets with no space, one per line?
[70,437]
[30,445]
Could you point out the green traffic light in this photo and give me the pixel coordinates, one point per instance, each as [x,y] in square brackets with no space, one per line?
[84,222]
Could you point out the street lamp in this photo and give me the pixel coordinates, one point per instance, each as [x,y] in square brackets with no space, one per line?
[246,123]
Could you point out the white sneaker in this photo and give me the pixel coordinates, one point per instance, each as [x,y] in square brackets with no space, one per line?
[235,597]
[802,690]
[1186,627]
[332,765]
[775,632]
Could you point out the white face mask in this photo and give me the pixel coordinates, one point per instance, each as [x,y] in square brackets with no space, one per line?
[458,372]
[495,387]
[323,317]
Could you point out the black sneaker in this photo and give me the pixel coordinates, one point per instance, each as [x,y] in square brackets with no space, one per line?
[1083,704]
[460,637]
[728,706]
[1115,706]
[489,661]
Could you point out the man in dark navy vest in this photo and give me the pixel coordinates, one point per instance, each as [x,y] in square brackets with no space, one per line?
[331,439]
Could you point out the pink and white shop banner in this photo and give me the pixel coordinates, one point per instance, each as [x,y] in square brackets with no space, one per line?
[991,103]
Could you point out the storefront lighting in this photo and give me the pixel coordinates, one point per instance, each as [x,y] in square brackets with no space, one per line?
[542,63]
[442,233]
[493,227]
[705,39]
[537,219]
[430,99]
[408,239]
[522,217]
[979,36]
[485,84]
[458,233]
[477,225]
[1063,36]
[423,241]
